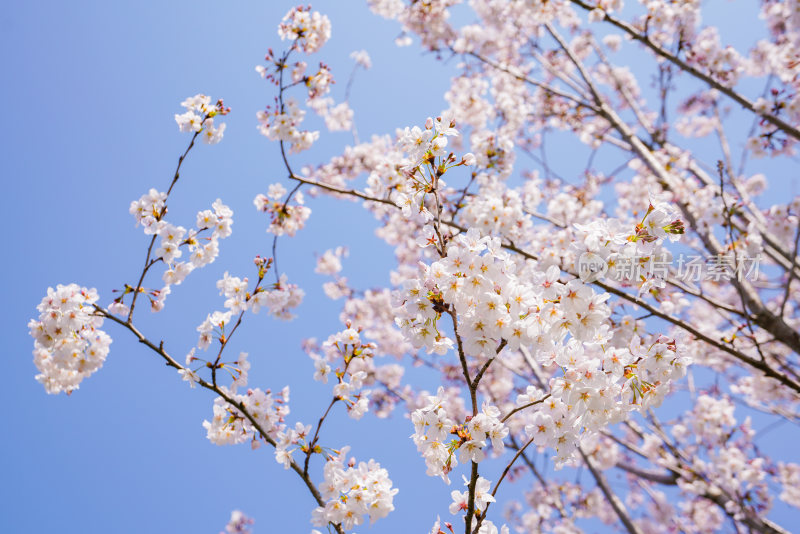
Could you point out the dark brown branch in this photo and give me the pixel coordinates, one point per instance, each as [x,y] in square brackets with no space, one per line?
[147,262]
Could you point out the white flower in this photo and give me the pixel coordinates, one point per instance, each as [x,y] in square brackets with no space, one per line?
[189,376]
[483,496]
[229,426]
[322,370]
[199,118]
[68,343]
[148,211]
[309,28]
[352,493]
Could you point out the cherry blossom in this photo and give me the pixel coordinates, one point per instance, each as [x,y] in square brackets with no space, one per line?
[68,343]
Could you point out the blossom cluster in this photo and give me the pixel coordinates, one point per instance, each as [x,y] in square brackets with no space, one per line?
[438,437]
[355,364]
[353,492]
[149,210]
[284,125]
[338,117]
[279,301]
[308,29]
[421,145]
[68,343]
[612,248]
[497,210]
[238,523]
[564,324]
[599,389]
[362,59]
[330,262]
[284,218]
[491,301]
[482,496]
[354,370]
[721,454]
[229,426]
[203,249]
[199,118]
[415,168]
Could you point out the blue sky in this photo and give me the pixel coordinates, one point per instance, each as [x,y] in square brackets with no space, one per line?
[90,91]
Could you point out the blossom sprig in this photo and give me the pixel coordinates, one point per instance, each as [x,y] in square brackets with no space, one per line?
[229,426]
[425,161]
[433,429]
[362,59]
[291,439]
[68,342]
[352,363]
[565,323]
[354,369]
[631,255]
[338,117]
[282,123]
[353,492]
[157,298]
[150,211]
[213,327]
[658,223]
[318,83]
[263,265]
[308,30]
[279,298]
[277,66]
[238,369]
[199,118]
[592,394]
[346,346]
[151,208]
[220,326]
[421,311]
[284,218]
[482,497]
[497,210]
[424,145]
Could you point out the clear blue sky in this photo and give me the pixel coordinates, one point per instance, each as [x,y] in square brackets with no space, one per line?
[90,89]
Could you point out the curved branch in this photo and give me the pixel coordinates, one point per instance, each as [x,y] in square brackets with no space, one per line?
[171,362]
[685,67]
